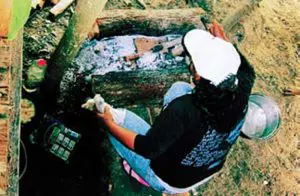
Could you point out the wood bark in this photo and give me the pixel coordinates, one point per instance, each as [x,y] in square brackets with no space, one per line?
[82,20]
[142,88]
[61,6]
[149,22]
[11,60]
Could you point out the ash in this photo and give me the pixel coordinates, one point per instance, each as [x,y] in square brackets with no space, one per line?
[98,57]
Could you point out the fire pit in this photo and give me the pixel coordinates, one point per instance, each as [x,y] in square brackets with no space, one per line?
[137,56]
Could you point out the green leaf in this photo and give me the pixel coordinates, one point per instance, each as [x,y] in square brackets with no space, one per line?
[20,13]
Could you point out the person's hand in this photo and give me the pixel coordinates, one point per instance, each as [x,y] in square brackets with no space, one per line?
[216,30]
[105,117]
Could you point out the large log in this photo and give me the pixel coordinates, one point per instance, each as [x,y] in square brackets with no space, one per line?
[82,20]
[137,87]
[149,22]
[61,6]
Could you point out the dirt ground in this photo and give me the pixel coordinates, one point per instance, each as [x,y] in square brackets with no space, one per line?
[271,43]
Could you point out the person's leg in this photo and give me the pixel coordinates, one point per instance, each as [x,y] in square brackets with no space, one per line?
[138,163]
[135,123]
[178,89]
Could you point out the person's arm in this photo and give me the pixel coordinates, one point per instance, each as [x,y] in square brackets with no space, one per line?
[165,131]
[217,30]
[125,136]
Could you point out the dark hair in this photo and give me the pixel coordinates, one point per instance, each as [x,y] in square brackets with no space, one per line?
[224,105]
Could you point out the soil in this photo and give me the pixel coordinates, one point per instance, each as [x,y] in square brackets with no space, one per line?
[269,36]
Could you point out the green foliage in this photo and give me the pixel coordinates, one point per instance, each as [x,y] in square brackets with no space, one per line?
[3,69]
[240,149]
[238,171]
[204,4]
[201,190]
[246,193]
[20,14]
[3,116]
[257,175]
[243,152]
[239,36]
